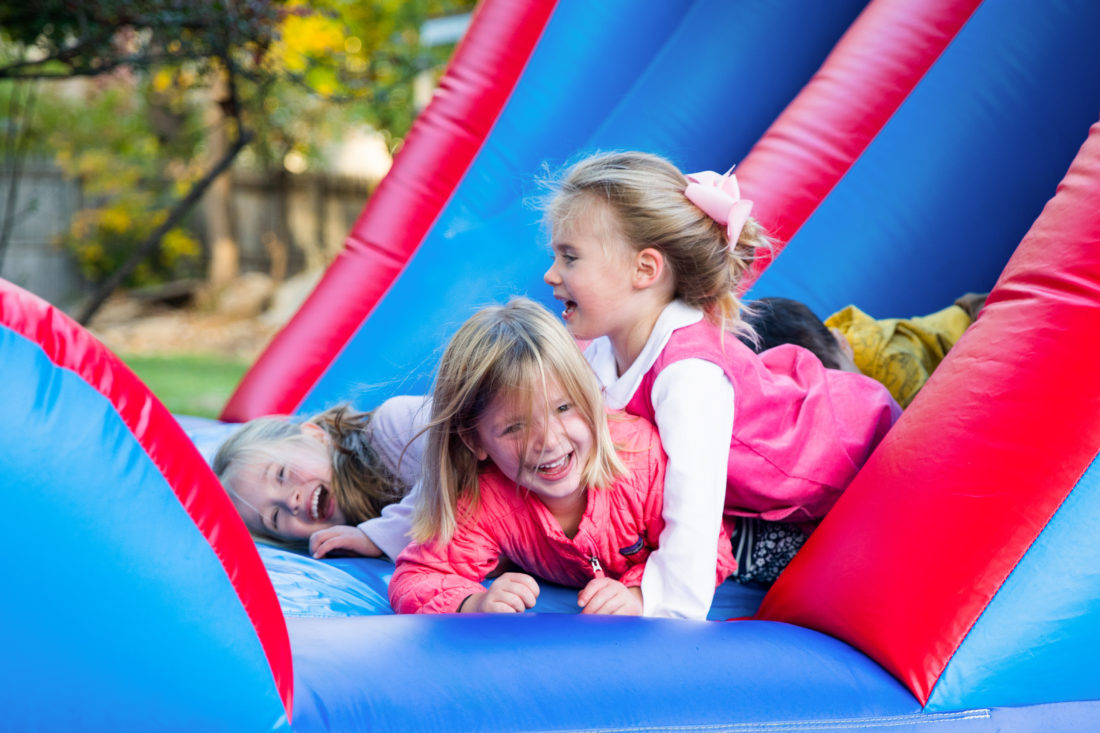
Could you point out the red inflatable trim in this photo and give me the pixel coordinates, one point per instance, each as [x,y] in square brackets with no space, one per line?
[953,498]
[439,149]
[70,347]
[821,134]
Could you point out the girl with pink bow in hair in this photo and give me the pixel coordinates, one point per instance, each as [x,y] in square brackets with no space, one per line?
[647,262]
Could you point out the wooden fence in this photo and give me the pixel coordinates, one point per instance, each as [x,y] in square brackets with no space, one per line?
[282,223]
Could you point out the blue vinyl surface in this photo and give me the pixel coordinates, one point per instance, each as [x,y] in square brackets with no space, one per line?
[938,202]
[664,80]
[541,672]
[1038,640]
[111,592]
[557,672]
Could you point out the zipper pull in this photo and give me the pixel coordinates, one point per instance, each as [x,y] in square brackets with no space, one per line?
[597,569]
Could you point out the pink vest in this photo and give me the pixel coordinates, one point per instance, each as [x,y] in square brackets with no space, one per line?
[801,432]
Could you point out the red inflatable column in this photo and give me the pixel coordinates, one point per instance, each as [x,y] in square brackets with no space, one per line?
[920,543]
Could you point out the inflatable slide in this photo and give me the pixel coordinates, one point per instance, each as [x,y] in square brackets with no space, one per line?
[902,153]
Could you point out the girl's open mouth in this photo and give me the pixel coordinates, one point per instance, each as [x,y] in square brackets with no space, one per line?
[321,505]
[570,309]
[555,469]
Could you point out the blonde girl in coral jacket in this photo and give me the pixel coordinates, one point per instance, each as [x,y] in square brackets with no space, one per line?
[523,465]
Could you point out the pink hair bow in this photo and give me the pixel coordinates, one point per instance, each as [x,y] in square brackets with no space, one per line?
[720,198]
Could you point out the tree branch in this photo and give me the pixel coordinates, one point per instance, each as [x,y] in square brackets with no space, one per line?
[174,217]
[64,53]
[15,71]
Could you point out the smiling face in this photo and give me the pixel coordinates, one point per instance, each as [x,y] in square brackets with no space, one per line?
[592,271]
[288,494]
[543,443]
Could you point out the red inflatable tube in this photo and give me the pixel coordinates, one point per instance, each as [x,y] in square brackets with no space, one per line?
[822,133]
[69,346]
[955,495]
[439,149]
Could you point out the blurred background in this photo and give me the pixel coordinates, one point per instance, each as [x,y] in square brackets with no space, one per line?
[176,174]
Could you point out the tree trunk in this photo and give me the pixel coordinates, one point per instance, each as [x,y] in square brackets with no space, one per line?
[225,258]
[149,245]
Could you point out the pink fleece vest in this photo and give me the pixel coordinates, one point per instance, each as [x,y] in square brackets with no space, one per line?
[801,432]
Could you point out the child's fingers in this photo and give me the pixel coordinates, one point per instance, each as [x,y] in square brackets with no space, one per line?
[528,591]
[524,587]
[530,588]
[324,547]
[606,596]
[343,538]
[325,542]
[513,591]
[507,603]
[316,540]
[594,595]
[590,590]
[502,600]
[605,600]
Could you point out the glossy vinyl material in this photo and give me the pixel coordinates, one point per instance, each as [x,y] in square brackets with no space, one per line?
[697,81]
[119,612]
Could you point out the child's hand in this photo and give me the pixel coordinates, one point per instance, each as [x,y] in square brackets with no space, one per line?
[607,596]
[510,593]
[342,539]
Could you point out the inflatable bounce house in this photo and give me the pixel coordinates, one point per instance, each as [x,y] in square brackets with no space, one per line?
[902,153]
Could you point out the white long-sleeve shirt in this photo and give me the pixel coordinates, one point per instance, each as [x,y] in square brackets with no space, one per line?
[398,423]
[693,406]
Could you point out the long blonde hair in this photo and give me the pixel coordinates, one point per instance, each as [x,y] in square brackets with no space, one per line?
[362,484]
[645,194]
[507,349]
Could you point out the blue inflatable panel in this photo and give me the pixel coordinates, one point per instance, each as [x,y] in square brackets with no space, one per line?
[1038,640]
[671,80]
[572,673]
[117,615]
[938,203]
[553,672]
[320,589]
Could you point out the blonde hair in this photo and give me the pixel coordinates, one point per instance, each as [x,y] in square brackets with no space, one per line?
[645,194]
[361,482]
[501,350]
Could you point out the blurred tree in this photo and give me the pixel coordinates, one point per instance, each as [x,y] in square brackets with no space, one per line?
[366,52]
[57,39]
[181,88]
[130,176]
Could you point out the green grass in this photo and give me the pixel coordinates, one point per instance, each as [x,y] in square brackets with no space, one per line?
[191,384]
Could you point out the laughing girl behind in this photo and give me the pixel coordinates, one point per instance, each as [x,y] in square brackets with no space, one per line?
[331,480]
